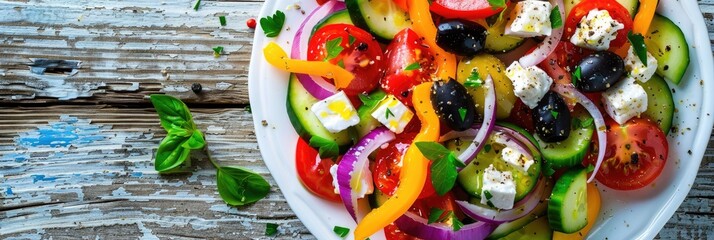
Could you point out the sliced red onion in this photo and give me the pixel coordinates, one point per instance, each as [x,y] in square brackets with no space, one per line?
[509,141]
[354,161]
[569,91]
[417,226]
[521,139]
[489,120]
[315,85]
[549,43]
[503,137]
[520,209]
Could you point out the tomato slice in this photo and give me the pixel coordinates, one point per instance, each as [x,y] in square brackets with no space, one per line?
[467,9]
[616,10]
[314,173]
[636,154]
[387,169]
[406,49]
[357,51]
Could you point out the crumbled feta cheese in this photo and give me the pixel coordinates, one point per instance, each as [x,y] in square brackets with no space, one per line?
[336,112]
[530,19]
[361,185]
[637,69]
[393,114]
[596,30]
[516,159]
[498,189]
[529,84]
[625,100]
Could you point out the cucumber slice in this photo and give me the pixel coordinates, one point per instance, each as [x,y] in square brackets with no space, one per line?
[518,224]
[382,18]
[377,198]
[568,206]
[496,40]
[660,103]
[630,5]
[341,16]
[303,120]
[471,177]
[366,122]
[571,151]
[536,230]
[667,44]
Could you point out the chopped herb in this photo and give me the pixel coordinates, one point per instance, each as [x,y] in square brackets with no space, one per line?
[217,51]
[222,19]
[341,231]
[326,148]
[474,80]
[434,215]
[455,160]
[413,66]
[585,123]
[341,63]
[487,194]
[372,100]
[272,25]
[198,4]
[495,4]
[576,75]
[554,114]
[490,204]
[548,169]
[271,229]
[462,113]
[555,20]
[590,168]
[487,147]
[333,48]
[352,40]
[432,150]
[638,45]
[389,112]
[455,222]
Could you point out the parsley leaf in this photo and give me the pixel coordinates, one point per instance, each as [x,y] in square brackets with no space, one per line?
[272,25]
[548,169]
[473,80]
[576,75]
[555,20]
[462,113]
[495,4]
[585,123]
[413,66]
[590,168]
[341,231]
[352,40]
[198,4]
[222,19]
[554,114]
[326,148]
[434,215]
[271,229]
[389,112]
[333,48]
[341,63]
[487,147]
[456,224]
[443,167]
[217,51]
[638,45]
[372,100]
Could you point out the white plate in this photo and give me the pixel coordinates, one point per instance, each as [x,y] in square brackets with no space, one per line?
[625,215]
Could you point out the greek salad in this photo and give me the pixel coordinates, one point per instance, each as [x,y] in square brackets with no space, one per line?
[478,119]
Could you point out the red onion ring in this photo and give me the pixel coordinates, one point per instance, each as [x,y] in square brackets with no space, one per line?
[569,91]
[549,43]
[417,226]
[316,86]
[506,137]
[520,209]
[354,161]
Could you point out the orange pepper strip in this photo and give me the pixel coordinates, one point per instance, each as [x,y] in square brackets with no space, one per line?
[413,172]
[423,25]
[277,57]
[644,16]
[593,210]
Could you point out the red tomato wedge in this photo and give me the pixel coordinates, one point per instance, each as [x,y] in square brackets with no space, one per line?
[466,9]
[406,49]
[617,12]
[387,169]
[314,173]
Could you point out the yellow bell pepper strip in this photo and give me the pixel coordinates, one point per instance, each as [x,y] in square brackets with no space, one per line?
[413,172]
[593,210]
[644,16]
[423,25]
[277,57]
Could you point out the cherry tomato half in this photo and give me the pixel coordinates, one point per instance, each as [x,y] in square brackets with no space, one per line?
[314,173]
[406,49]
[387,169]
[357,52]
[636,154]
[466,9]
[616,10]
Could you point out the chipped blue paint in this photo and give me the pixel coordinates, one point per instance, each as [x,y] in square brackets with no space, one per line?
[8,192]
[137,174]
[17,157]
[41,177]
[67,131]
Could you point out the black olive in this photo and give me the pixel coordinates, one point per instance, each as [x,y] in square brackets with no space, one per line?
[461,37]
[453,104]
[552,118]
[599,71]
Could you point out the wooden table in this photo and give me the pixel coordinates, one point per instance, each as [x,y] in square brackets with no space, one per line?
[77,142]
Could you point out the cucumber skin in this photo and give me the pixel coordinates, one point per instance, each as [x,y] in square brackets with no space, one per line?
[558,197]
[660,103]
[667,34]
[539,212]
[341,16]
[556,156]
[356,15]
[535,230]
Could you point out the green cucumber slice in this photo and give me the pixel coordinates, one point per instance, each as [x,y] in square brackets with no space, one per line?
[304,121]
[383,18]
[537,229]
[518,224]
[660,103]
[568,206]
[667,44]
[571,151]
[377,198]
[341,16]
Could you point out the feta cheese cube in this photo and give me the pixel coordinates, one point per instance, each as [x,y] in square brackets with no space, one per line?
[637,69]
[529,84]
[516,159]
[393,114]
[498,189]
[361,184]
[625,100]
[530,19]
[596,30]
[336,112]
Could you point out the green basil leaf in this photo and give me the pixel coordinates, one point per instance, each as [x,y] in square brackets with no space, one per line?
[434,215]
[456,223]
[413,66]
[171,153]
[272,25]
[454,160]
[239,186]
[443,176]
[271,229]
[432,150]
[495,4]
[372,100]
[555,20]
[327,148]
[196,141]
[333,48]
[341,231]
[173,113]
[638,46]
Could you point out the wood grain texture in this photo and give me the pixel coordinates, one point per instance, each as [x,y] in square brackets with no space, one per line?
[93,177]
